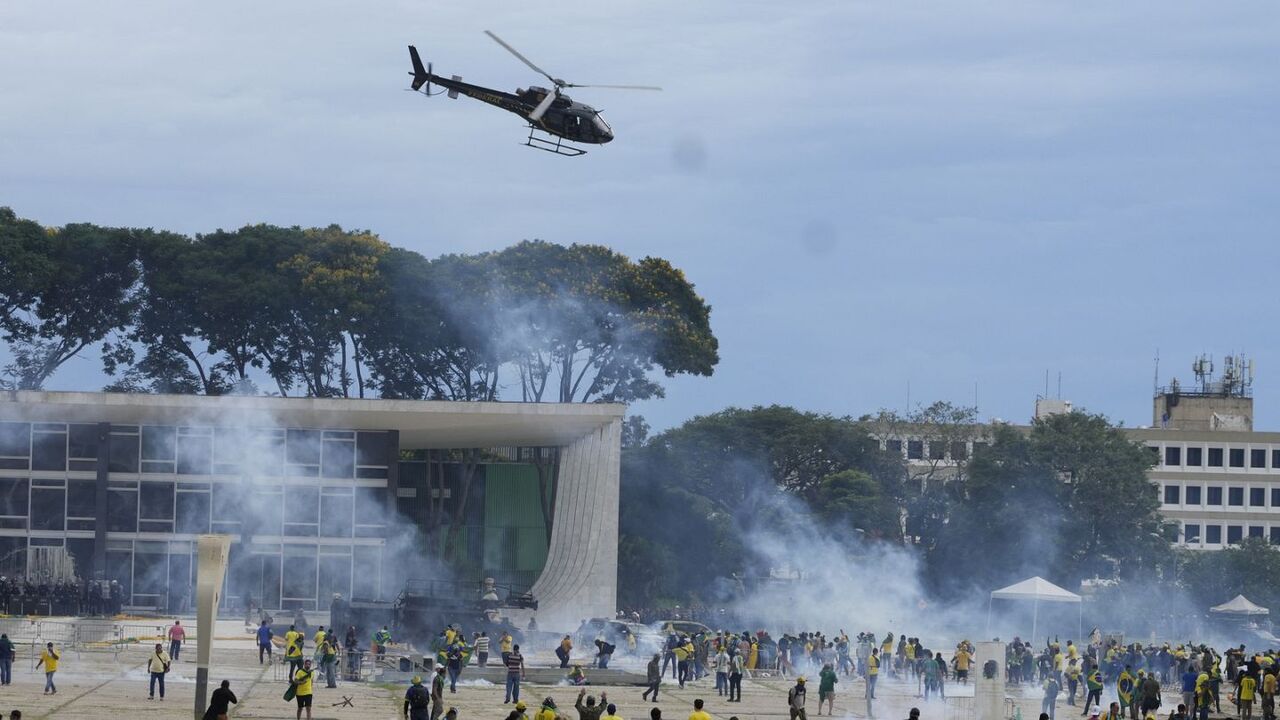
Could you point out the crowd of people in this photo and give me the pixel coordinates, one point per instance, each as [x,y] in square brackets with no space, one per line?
[80,598]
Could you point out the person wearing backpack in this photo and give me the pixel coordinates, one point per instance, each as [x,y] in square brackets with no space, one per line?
[158,666]
[417,701]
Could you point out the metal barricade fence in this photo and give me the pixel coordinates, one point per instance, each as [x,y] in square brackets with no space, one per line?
[363,666]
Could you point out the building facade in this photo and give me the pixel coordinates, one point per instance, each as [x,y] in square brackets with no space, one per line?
[319,496]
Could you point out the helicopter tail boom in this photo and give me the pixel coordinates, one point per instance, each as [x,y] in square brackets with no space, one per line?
[420,74]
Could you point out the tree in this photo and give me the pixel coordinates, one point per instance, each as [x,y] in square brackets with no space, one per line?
[1110,504]
[420,342]
[336,286]
[71,291]
[1251,568]
[1006,522]
[701,488]
[853,498]
[930,488]
[588,324]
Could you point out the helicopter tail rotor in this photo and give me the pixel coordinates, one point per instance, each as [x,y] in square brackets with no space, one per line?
[421,75]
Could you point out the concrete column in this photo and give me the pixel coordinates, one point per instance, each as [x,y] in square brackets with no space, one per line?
[99,570]
[988,692]
[580,578]
[212,552]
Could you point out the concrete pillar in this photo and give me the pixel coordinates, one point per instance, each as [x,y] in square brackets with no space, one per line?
[212,552]
[99,570]
[988,692]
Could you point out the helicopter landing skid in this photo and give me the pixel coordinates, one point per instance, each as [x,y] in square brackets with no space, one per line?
[552,143]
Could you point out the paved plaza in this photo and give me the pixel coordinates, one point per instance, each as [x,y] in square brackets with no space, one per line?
[108,681]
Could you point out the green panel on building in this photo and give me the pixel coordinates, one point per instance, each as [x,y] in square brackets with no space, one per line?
[515,536]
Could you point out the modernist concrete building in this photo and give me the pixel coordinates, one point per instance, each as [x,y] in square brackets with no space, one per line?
[319,496]
[1216,477]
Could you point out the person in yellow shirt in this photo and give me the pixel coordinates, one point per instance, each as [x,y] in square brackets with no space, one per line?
[293,655]
[290,636]
[962,658]
[504,645]
[1269,693]
[563,650]
[49,659]
[1248,688]
[302,683]
[547,711]
[698,713]
[873,672]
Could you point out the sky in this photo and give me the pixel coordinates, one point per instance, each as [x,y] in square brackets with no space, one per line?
[885,203]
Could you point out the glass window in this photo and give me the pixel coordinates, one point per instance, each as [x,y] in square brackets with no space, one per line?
[124,454]
[1257,497]
[195,455]
[229,447]
[1236,456]
[1235,496]
[978,445]
[937,450]
[268,509]
[13,497]
[300,572]
[48,508]
[1257,458]
[959,451]
[122,510]
[335,575]
[339,459]
[1213,534]
[1234,534]
[193,512]
[890,446]
[336,510]
[1255,531]
[49,451]
[82,498]
[266,452]
[226,502]
[302,504]
[371,448]
[1215,495]
[1172,455]
[1275,497]
[1191,533]
[915,449]
[1195,456]
[304,447]
[155,501]
[1193,494]
[82,441]
[15,439]
[1172,494]
[158,442]
[1275,534]
[1275,458]
[1215,457]
[367,580]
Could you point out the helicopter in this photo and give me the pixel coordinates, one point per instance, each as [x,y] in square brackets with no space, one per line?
[555,120]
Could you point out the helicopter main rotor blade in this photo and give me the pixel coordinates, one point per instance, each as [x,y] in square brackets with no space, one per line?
[615,87]
[523,59]
[541,110]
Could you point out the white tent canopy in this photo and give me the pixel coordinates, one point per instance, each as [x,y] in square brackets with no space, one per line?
[1239,605]
[1036,590]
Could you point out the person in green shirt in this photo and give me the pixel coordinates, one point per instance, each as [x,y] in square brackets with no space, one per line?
[827,689]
